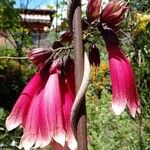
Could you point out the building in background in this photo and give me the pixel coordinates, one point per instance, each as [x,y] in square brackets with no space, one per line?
[38,22]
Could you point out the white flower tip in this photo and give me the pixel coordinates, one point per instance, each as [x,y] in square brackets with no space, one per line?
[72,144]
[117,109]
[60,138]
[42,143]
[10,124]
[139,110]
[25,147]
[20,146]
[45,143]
[27,142]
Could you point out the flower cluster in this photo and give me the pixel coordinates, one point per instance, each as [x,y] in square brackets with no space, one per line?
[124,91]
[44,106]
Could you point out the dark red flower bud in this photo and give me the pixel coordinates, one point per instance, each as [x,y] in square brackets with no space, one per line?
[39,55]
[113,13]
[93,10]
[94,55]
[66,37]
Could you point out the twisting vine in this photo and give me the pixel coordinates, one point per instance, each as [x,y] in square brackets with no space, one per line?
[82,71]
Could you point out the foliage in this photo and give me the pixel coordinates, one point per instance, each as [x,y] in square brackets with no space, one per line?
[9,17]
[7,139]
[107,131]
[13,77]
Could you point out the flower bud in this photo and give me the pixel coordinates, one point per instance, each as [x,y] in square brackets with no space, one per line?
[94,55]
[113,13]
[66,37]
[93,10]
[39,55]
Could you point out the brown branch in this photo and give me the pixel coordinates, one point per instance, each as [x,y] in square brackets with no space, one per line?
[8,39]
[79,67]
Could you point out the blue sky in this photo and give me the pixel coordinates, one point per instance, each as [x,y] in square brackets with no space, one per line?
[35,3]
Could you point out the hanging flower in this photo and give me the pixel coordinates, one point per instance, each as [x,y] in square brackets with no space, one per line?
[124,90]
[68,96]
[45,109]
[66,37]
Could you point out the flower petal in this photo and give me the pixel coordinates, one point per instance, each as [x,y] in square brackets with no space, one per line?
[32,123]
[118,78]
[53,106]
[68,95]
[20,109]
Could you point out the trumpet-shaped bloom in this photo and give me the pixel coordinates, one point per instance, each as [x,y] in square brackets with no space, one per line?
[124,90]
[47,114]
[20,109]
[123,83]
[45,120]
[39,55]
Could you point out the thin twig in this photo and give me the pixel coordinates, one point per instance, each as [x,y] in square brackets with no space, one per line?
[63,48]
[15,58]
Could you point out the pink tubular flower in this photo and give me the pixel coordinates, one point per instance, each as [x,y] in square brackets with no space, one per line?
[20,110]
[44,120]
[124,90]
[66,37]
[45,110]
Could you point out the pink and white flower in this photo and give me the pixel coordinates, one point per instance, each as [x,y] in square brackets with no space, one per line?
[124,89]
[45,110]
